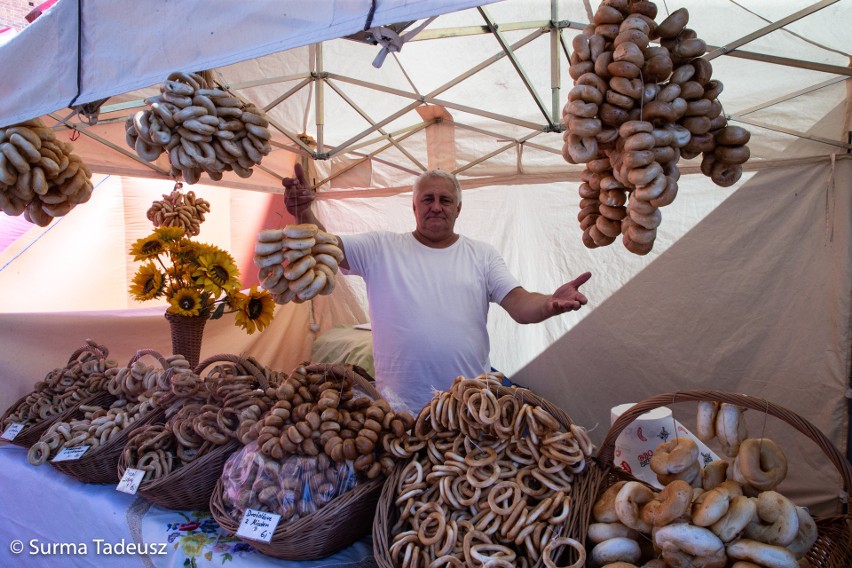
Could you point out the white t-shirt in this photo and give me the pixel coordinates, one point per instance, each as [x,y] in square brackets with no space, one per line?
[428,309]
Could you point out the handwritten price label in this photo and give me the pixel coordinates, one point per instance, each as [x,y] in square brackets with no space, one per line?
[70,454]
[12,431]
[130,481]
[258,525]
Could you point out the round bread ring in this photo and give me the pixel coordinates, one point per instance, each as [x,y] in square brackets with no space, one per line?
[622,101]
[639,141]
[674,456]
[652,190]
[629,502]
[581,149]
[635,247]
[807,535]
[673,24]
[628,52]
[631,127]
[270,235]
[733,136]
[731,429]
[726,175]
[668,195]
[303,231]
[714,474]
[740,513]
[295,270]
[38,453]
[639,234]
[706,420]
[777,520]
[762,554]
[651,221]
[599,532]
[690,539]
[608,227]
[592,80]
[613,213]
[732,154]
[584,127]
[711,506]
[604,508]
[689,475]
[580,109]
[586,93]
[547,553]
[299,244]
[618,549]
[599,238]
[671,503]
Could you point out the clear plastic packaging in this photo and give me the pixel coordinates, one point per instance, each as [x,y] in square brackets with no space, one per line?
[292,487]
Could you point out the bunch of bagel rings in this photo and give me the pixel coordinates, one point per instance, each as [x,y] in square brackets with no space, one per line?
[724,514]
[297,262]
[637,108]
[488,482]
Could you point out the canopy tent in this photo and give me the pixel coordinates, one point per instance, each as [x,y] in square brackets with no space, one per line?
[747,288]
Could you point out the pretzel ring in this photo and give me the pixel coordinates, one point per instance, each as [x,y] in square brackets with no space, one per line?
[434,523]
[548,553]
[501,493]
[38,453]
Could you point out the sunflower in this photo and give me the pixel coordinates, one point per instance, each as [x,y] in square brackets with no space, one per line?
[148,247]
[255,310]
[186,302]
[216,272]
[147,283]
[170,234]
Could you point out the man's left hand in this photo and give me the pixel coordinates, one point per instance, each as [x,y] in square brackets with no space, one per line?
[568,297]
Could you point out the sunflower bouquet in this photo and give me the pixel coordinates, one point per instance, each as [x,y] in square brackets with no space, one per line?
[197,279]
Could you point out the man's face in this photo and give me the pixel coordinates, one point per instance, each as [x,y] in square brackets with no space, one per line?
[436,208]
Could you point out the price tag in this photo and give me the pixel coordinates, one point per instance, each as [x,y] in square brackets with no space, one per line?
[258,525]
[12,431]
[130,481]
[69,454]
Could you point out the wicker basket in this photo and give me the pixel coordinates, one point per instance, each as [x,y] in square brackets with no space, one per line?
[100,464]
[187,333]
[387,511]
[833,548]
[189,487]
[32,433]
[341,522]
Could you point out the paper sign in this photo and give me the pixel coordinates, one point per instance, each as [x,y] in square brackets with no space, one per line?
[258,525]
[12,431]
[69,454]
[130,481]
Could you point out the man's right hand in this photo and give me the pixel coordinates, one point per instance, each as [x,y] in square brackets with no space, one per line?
[298,195]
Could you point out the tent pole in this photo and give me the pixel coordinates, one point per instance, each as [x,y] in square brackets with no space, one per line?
[320,102]
[555,33]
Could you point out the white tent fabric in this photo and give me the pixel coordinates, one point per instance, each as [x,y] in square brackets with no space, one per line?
[746,290]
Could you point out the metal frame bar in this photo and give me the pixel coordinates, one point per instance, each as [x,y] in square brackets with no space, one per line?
[790,96]
[519,69]
[366,117]
[512,144]
[462,31]
[788,62]
[79,128]
[790,131]
[769,29]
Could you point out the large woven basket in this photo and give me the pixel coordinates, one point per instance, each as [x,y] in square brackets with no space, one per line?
[387,511]
[100,464]
[833,548]
[188,487]
[32,433]
[344,520]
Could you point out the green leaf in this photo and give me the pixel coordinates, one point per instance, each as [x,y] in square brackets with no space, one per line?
[217,313]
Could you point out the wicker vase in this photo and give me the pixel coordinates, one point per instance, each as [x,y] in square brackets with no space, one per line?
[187,332]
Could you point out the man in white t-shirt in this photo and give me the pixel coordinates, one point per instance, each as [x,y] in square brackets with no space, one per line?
[429,291]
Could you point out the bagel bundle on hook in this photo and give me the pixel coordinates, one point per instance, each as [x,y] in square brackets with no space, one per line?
[636,108]
[297,262]
[201,127]
[39,175]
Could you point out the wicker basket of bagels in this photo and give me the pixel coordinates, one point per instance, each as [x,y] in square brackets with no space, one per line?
[318,458]
[489,478]
[183,457]
[94,437]
[58,395]
[714,513]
